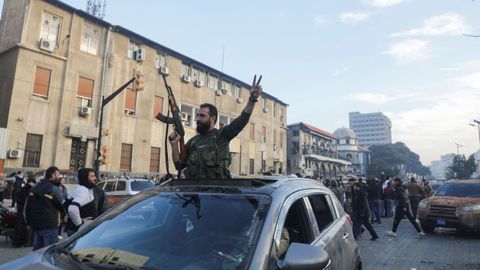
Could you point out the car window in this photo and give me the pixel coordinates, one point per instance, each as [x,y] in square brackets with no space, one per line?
[459,190]
[109,186]
[121,186]
[141,185]
[199,231]
[322,210]
[101,185]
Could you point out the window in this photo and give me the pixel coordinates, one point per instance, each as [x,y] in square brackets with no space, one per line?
[282,118]
[252,131]
[237,91]
[84,92]
[50,27]
[222,121]
[264,134]
[281,139]
[186,114]
[33,149]
[297,224]
[130,101]
[42,82]
[198,75]
[109,186]
[89,41]
[264,105]
[160,60]
[274,138]
[185,70]
[226,86]
[252,166]
[121,186]
[155,159]
[295,132]
[126,157]
[322,211]
[157,106]
[295,148]
[212,82]
[132,47]
[274,110]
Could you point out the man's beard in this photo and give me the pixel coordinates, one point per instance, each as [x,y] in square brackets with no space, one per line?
[202,128]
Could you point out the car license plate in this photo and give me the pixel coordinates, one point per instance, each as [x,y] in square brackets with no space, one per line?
[441,221]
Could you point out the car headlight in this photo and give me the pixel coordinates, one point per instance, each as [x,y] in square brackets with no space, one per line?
[470,208]
[423,204]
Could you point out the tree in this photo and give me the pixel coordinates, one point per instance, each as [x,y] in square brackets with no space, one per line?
[461,167]
[391,157]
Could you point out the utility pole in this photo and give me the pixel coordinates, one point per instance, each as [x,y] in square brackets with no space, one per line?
[478,127]
[458,148]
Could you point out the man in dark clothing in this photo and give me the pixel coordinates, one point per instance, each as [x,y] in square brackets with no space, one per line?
[17,186]
[402,208]
[388,196]
[415,195]
[87,201]
[374,195]
[208,154]
[361,213]
[22,234]
[43,209]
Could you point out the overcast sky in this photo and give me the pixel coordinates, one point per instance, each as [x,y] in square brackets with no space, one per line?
[406,58]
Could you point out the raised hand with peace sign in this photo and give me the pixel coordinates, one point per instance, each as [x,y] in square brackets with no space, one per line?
[256,89]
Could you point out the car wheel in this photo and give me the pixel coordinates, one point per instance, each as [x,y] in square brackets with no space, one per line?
[427,228]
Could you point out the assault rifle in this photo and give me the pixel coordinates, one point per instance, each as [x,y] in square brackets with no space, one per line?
[176,121]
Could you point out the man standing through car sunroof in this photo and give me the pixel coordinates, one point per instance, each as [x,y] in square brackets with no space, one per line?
[208,153]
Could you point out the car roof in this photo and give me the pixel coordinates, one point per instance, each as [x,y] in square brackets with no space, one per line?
[476,181]
[127,179]
[261,185]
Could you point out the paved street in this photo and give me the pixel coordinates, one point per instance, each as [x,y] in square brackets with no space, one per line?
[443,250]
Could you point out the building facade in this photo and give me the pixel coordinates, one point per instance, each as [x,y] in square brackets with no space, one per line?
[371,128]
[58,62]
[313,152]
[438,168]
[348,149]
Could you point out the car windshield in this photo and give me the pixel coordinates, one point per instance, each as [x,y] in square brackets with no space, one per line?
[176,231]
[459,190]
[141,185]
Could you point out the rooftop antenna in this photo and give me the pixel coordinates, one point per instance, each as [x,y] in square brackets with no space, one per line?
[97,8]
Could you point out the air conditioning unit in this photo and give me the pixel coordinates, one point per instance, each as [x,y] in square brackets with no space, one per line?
[15,153]
[198,83]
[84,111]
[265,110]
[47,45]
[184,116]
[186,78]
[275,147]
[164,70]
[239,100]
[224,91]
[218,92]
[139,55]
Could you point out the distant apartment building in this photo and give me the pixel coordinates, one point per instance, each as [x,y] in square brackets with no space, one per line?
[58,62]
[313,152]
[371,128]
[438,168]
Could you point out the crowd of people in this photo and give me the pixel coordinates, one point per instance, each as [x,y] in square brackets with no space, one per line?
[367,202]
[45,209]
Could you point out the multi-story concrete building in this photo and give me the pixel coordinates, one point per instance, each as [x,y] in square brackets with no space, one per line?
[438,168]
[371,128]
[56,64]
[313,152]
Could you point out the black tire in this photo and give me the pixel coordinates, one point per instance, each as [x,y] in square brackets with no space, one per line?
[426,228]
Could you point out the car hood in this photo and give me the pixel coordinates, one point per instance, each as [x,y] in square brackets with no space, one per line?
[31,261]
[453,201]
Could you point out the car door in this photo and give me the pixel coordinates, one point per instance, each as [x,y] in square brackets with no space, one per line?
[328,228]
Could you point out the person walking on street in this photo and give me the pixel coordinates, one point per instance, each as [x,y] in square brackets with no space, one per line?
[402,208]
[334,188]
[361,213]
[427,190]
[374,194]
[22,235]
[388,195]
[86,202]
[415,195]
[44,209]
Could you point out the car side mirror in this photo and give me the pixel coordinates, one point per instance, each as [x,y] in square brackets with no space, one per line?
[304,257]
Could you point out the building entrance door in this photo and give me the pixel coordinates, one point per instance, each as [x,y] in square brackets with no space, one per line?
[78,154]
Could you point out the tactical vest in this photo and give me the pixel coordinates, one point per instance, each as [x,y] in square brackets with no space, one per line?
[209,157]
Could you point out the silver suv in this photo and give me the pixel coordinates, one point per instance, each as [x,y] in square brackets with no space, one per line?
[263,223]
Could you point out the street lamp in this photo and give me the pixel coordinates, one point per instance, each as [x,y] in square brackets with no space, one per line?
[478,127]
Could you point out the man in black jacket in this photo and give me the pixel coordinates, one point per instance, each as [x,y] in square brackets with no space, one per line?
[43,209]
[374,195]
[361,212]
[17,186]
[402,208]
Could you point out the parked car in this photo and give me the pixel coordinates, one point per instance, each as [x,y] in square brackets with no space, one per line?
[455,204]
[120,189]
[264,223]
